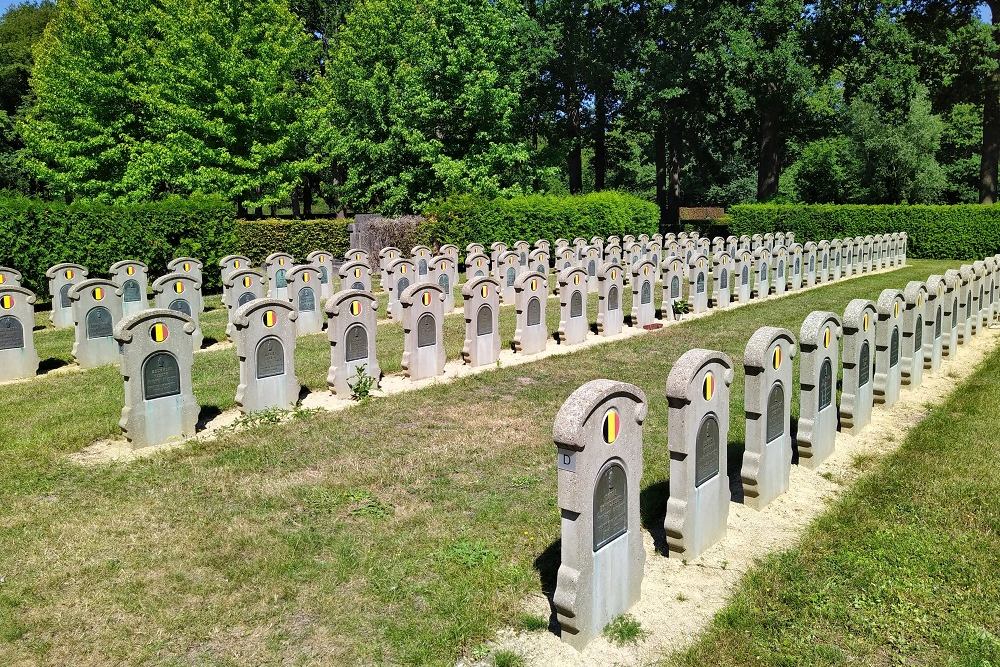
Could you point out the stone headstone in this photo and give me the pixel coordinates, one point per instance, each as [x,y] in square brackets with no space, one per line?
[914,328]
[523,250]
[9,277]
[450,250]
[610,290]
[836,266]
[132,278]
[818,369]
[242,286]
[543,244]
[565,259]
[952,308]
[538,261]
[351,330]
[189,266]
[573,319]
[182,293]
[847,257]
[809,263]
[744,275]
[868,254]
[265,346]
[531,292]
[673,279]
[323,262]
[481,298]
[508,267]
[360,255]
[97,309]
[62,278]
[591,262]
[965,303]
[598,438]
[762,274]
[357,276]
[305,294]
[386,256]
[421,256]
[643,288]
[18,358]
[230,264]
[767,461]
[933,323]
[477,266]
[474,249]
[779,264]
[823,264]
[888,346]
[496,249]
[444,272]
[698,437]
[795,266]
[698,283]
[277,266]
[978,295]
[157,354]
[402,274]
[857,396]
[722,276]
[423,331]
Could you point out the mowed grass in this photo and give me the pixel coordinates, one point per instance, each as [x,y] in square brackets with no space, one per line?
[904,569]
[405,530]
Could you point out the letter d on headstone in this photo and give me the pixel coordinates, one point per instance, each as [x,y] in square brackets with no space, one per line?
[598,437]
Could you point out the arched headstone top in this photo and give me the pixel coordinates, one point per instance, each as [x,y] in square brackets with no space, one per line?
[759,350]
[687,382]
[524,281]
[698,261]
[477,285]
[571,431]
[420,251]
[281,259]
[403,267]
[952,279]
[237,278]
[9,275]
[139,323]
[20,293]
[417,290]
[860,315]
[123,267]
[341,301]
[91,286]
[319,256]
[303,275]
[170,281]
[936,287]
[890,303]
[185,265]
[979,268]
[252,310]
[478,261]
[498,247]
[67,271]
[573,276]
[810,246]
[475,249]
[820,329]
[915,294]
[361,255]
[644,269]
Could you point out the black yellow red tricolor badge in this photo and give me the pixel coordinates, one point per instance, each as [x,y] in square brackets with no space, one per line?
[179,287]
[247,281]
[612,426]
[485,291]
[826,337]
[709,385]
[534,284]
[426,298]
[357,273]
[187,266]
[130,270]
[158,332]
[69,274]
[355,308]
[7,301]
[864,321]
[305,277]
[98,294]
[270,319]
[777,357]
[236,263]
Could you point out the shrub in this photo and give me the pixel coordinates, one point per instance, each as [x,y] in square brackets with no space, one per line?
[464,220]
[935,232]
[259,238]
[38,234]
[403,232]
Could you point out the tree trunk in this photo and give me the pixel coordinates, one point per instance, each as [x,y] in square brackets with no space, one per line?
[769,162]
[307,197]
[660,151]
[600,142]
[296,198]
[574,159]
[990,157]
[674,177]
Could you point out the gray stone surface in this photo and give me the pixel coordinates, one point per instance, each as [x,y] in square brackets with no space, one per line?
[591,263]
[241,286]
[573,321]
[9,277]
[722,278]
[643,293]
[157,355]
[444,271]
[496,249]
[965,303]
[809,269]
[888,347]
[450,250]
[18,358]
[767,461]
[598,438]
[477,265]
[507,269]
[934,326]
[673,280]
[610,293]
[357,276]
[97,310]
[265,346]
[565,259]
[744,276]
[818,369]
[779,270]
[857,395]
[232,263]
[823,262]
[305,295]
[914,328]
[531,292]
[386,256]
[952,310]
[795,262]
[421,256]
[698,283]
[698,438]
[132,277]
[481,304]
[190,266]
[423,331]
[351,330]
[323,261]
[978,295]
[276,266]
[836,266]
[61,279]
[523,250]
[762,273]
[180,292]
[402,274]
[538,261]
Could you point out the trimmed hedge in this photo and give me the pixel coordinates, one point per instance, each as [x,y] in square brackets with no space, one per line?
[38,234]
[259,238]
[464,220]
[963,231]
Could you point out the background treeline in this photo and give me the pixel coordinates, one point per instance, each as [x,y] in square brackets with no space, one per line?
[391,105]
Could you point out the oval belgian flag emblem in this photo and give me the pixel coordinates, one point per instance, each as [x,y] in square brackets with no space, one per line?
[612,426]
[236,263]
[357,273]
[247,281]
[270,319]
[485,291]
[534,284]
[98,294]
[187,266]
[827,335]
[709,388]
[776,359]
[305,277]
[7,301]
[158,332]
[130,270]
[69,274]
[355,308]
[426,298]
[179,287]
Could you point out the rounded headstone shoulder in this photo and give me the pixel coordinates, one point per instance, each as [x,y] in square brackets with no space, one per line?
[128,325]
[568,430]
[689,365]
[757,350]
[250,309]
[855,312]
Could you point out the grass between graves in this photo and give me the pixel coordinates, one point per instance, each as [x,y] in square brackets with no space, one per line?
[902,570]
[404,530]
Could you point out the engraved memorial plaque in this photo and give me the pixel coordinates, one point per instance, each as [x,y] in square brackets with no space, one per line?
[798,266]
[511,276]
[426,331]
[610,505]
[161,376]
[725,279]
[180,306]
[675,287]
[324,275]
[613,298]
[592,268]
[444,283]
[99,323]
[700,283]
[864,365]
[918,336]
[894,348]
[523,258]
[576,305]
[401,285]
[534,311]
[246,297]
[279,278]
[131,292]
[11,333]
[356,343]
[706,455]
[954,313]
[763,272]
[825,385]
[484,321]
[307,300]
[359,286]
[422,267]
[64,299]
[775,413]
[647,293]
[270,358]
[746,276]
[937,323]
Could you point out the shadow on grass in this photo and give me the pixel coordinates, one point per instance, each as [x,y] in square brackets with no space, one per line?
[51,364]
[207,414]
[547,566]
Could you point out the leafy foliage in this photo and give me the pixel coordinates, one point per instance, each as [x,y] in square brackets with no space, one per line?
[259,238]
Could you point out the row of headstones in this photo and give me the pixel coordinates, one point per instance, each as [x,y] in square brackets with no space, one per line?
[599,440]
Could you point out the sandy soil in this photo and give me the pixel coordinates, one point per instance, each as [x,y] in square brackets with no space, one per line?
[680,599]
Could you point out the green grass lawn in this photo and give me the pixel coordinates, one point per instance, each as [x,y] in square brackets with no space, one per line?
[405,530]
[904,569]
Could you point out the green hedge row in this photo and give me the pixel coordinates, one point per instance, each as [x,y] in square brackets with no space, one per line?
[968,231]
[259,238]
[38,234]
[466,219]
